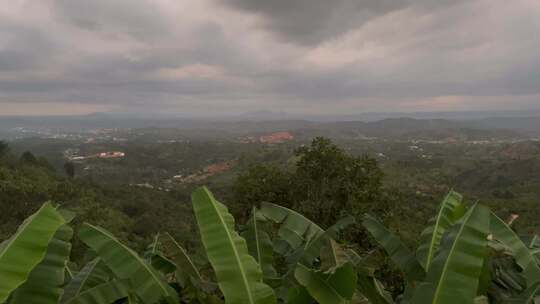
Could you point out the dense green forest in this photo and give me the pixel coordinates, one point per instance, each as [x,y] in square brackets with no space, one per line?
[330,189]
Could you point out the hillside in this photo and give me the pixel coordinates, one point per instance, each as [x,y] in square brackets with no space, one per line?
[75,126]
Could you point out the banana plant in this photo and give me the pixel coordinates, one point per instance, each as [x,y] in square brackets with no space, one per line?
[105,293]
[332,287]
[94,273]
[155,257]
[395,249]
[45,282]
[300,239]
[458,257]
[524,256]
[260,244]
[239,276]
[185,268]
[28,247]
[450,211]
[465,255]
[469,256]
[455,272]
[127,265]
[296,231]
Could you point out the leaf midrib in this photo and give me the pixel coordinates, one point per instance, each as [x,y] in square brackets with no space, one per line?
[434,234]
[256,234]
[145,266]
[186,256]
[448,259]
[236,255]
[85,278]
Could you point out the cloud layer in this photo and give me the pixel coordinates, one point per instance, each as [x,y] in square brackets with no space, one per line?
[302,56]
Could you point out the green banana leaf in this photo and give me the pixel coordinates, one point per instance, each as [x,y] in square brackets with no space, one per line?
[369,287]
[127,265]
[92,274]
[333,255]
[335,287]
[534,242]
[485,279]
[162,264]
[295,229]
[299,295]
[27,248]
[395,249]
[3,244]
[260,244]
[323,241]
[305,239]
[70,273]
[153,248]
[105,293]
[45,282]
[239,276]
[179,256]
[522,254]
[455,272]
[157,259]
[450,211]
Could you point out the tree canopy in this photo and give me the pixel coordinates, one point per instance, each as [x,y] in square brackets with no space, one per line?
[326,183]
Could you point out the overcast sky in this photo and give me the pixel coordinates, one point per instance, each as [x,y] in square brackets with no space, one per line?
[297,56]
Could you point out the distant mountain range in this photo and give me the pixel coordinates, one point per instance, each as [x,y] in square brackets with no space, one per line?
[375,116]
[475,124]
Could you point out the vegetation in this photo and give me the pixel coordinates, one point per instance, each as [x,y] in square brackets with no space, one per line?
[4,148]
[300,235]
[134,214]
[325,184]
[279,256]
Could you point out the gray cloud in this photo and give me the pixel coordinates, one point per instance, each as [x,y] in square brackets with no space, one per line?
[312,21]
[239,55]
[140,19]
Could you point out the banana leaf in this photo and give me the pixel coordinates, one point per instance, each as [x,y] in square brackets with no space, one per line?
[323,241]
[179,256]
[304,238]
[295,229]
[157,259]
[260,244]
[369,287]
[153,248]
[127,265]
[93,273]
[45,282]
[105,293]
[239,276]
[455,272]
[395,249]
[450,211]
[299,295]
[333,287]
[333,255]
[522,254]
[27,248]
[162,264]
[70,272]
